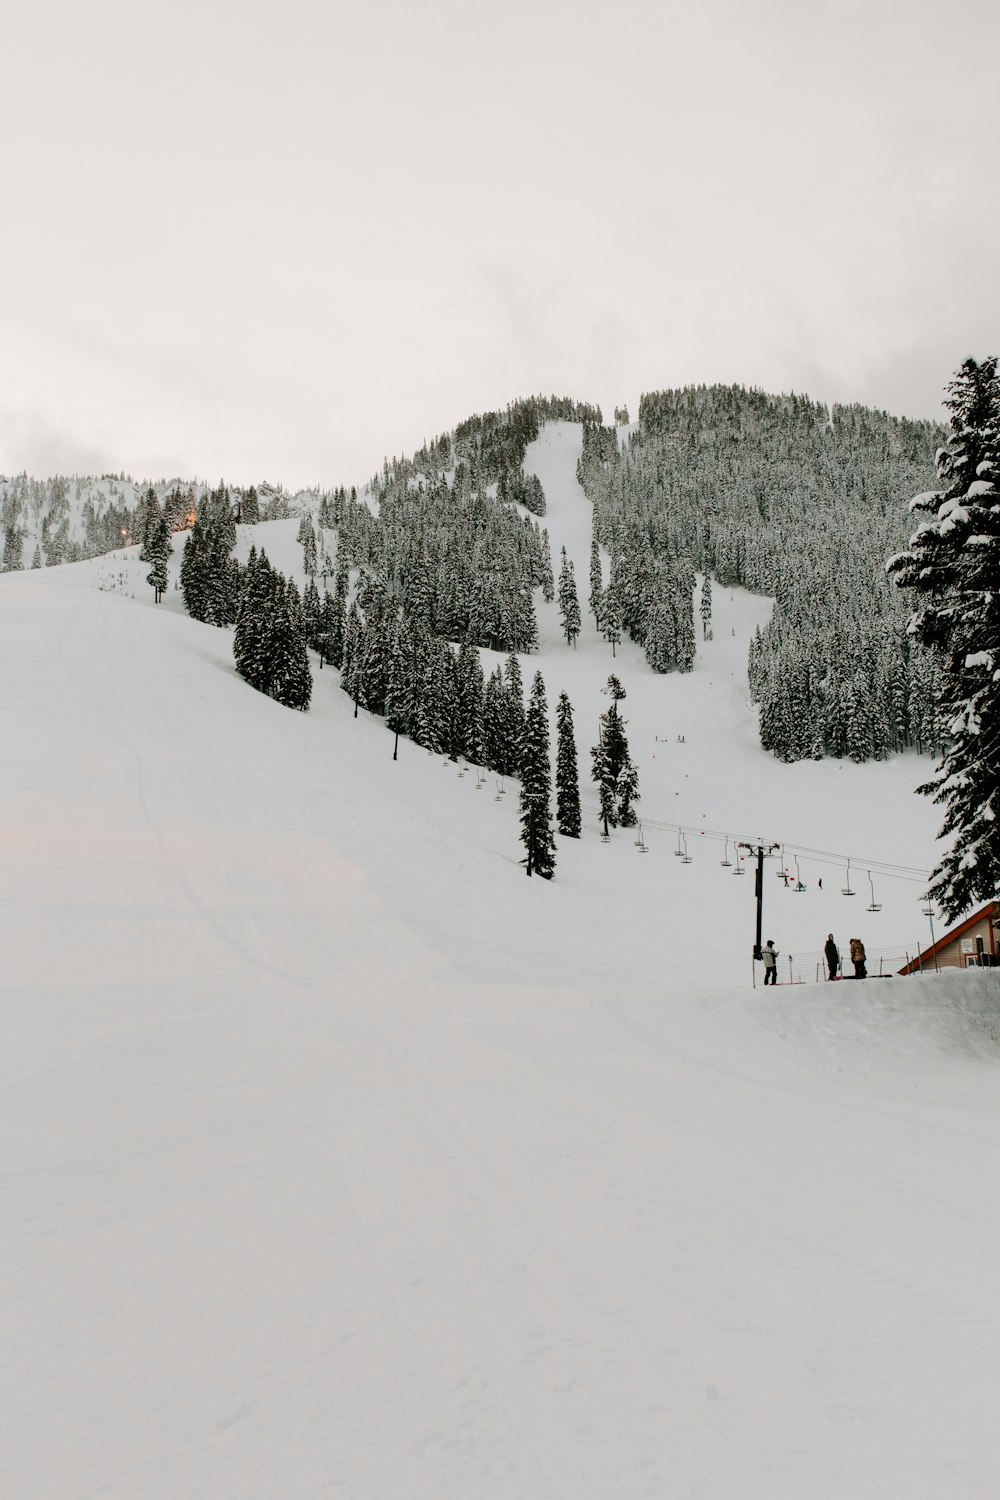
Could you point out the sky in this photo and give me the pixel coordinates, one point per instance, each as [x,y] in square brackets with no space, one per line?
[254,240]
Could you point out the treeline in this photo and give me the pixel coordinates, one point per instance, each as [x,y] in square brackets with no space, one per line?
[62,520]
[777,495]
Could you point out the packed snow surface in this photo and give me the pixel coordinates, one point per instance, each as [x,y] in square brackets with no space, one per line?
[340,1159]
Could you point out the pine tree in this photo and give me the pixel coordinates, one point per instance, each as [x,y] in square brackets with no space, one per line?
[515,708]
[705,608]
[398,694]
[611,616]
[548,583]
[149,518]
[312,614]
[596,582]
[36,556]
[536,787]
[250,507]
[953,560]
[310,561]
[157,551]
[290,680]
[569,605]
[470,703]
[13,548]
[567,775]
[613,771]
[496,724]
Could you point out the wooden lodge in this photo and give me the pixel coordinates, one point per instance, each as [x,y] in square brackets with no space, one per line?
[974,943]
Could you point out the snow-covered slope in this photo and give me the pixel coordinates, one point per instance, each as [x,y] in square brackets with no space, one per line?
[339,1158]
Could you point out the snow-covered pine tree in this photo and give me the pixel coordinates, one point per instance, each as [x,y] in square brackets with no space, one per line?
[613,771]
[496,724]
[515,711]
[149,517]
[596,582]
[353,646]
[569,604]
[310,559]
[250,507]
[548,583]
[312,614]
[470,703]
[158,554]
[289,674]
[36,556]
[705,608]
[398,693]
[611,616]
[536,786]
[13,548]
[953,561]
[567,774]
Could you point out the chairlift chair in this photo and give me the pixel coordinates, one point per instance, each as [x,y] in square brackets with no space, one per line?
[846,890]
[873,905]
[725,861]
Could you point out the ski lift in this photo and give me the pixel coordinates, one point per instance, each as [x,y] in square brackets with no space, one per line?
[499,787]
[798,878]
[685,857]
[738,867]
[873,905]
[782,874]
[725,861]
[846,890]
[679,852]
[480,780]
[461,768]
[640,843]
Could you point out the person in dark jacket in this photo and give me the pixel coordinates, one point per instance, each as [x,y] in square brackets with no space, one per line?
[770,962]
[832,953]
[858,958]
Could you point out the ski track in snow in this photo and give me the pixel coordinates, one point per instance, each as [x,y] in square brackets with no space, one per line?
[339,1158]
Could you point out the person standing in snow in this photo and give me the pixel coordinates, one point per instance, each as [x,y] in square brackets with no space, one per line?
[832,953]
[858,958]
[770,962]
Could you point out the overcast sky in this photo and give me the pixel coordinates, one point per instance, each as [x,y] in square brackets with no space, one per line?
[250,239]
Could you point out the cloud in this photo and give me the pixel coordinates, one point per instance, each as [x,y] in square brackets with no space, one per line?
[31,443]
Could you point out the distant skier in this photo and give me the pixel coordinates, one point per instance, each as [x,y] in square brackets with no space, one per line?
[770,962]
[858,958]
[832,956]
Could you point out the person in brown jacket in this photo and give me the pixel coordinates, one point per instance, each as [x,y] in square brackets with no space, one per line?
[858,958]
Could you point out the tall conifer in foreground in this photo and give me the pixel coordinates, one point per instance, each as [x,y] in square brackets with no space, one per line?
[567,775]
[536,786]
[953,559]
